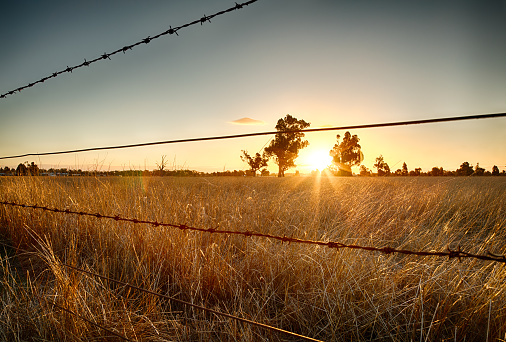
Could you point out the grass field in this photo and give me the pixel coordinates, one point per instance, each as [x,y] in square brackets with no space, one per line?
[324,293]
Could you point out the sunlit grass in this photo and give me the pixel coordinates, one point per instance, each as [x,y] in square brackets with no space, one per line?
[334,295]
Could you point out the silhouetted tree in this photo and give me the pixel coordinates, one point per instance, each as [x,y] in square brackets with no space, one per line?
[33,169]
[286,145]
[161,167]
[364,171]
[404,171]
[346,153]
[255,163]
[6,170]
[382,166]
[495,170]
[478,171]
[465,169]
[21,170]
[436,171]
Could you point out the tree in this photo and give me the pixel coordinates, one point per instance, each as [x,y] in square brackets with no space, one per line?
[382,166]
[33,169]
[286,145]
[404,171]
[255,163]
[465,169]
[478,171]
[495,171]
[265,173]
[436,171]
[21,170]
[364,171]
[162,165]
[346,153]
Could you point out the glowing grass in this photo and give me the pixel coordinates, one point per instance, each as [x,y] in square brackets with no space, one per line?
[319,292]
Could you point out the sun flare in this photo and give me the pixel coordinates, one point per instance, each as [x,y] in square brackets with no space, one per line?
[319,160]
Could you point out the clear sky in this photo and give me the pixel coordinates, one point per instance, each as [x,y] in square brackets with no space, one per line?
[331,63]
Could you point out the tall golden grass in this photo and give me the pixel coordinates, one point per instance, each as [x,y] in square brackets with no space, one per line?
[329,294]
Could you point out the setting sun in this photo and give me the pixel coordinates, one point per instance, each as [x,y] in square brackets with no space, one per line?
[319,160]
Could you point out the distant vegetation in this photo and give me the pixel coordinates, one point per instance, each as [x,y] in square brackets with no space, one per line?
[345,154]
[284,148]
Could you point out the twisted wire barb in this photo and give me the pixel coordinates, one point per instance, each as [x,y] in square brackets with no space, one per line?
[450,253]
[147,40]
[235,136]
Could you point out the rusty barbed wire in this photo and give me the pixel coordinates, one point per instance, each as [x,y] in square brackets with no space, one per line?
[87,320]
[450,253]
[147,40]
[235,136]
[203,308]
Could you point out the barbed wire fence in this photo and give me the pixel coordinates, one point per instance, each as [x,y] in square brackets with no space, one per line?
[124,49]
[449,253]
[61,308]
[163,296]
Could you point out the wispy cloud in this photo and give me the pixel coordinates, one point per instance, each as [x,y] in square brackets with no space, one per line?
[247,121]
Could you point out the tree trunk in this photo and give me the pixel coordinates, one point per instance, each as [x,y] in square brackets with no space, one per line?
[281,172]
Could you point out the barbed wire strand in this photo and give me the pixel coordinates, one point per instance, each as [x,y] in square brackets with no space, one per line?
[87,320]
[235,136]
[450,253]
[147,40]
[219,313]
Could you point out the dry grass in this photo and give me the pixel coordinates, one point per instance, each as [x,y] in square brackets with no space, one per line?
[319,292]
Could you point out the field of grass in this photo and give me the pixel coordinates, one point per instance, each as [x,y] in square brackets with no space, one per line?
[324,293]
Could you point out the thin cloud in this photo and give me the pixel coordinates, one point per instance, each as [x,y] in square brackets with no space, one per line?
[247,121]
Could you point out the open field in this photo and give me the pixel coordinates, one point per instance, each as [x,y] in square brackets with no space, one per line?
[324,293]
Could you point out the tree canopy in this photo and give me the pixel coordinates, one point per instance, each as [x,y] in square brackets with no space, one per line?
[286,145]
[382,166]
[255,163]
[346,153]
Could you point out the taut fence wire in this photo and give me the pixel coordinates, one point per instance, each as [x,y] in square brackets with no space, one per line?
[179,301]
[235,136]
[87,320]
[450,253]
[219,313]
[147,40]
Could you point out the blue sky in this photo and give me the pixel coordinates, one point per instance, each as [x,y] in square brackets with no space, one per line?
[331,63]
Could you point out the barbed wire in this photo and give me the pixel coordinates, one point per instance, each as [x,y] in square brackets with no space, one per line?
[450,253]
[147,40]
[87,320]
[235,136]
[219,313]
[203,308]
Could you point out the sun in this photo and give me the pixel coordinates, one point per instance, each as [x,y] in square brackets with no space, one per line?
[319,160]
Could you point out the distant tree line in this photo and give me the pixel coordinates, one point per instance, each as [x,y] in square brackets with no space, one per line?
[284,148]
[465,170]
[346,153]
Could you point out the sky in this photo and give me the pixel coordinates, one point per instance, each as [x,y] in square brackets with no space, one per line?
[330,63]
